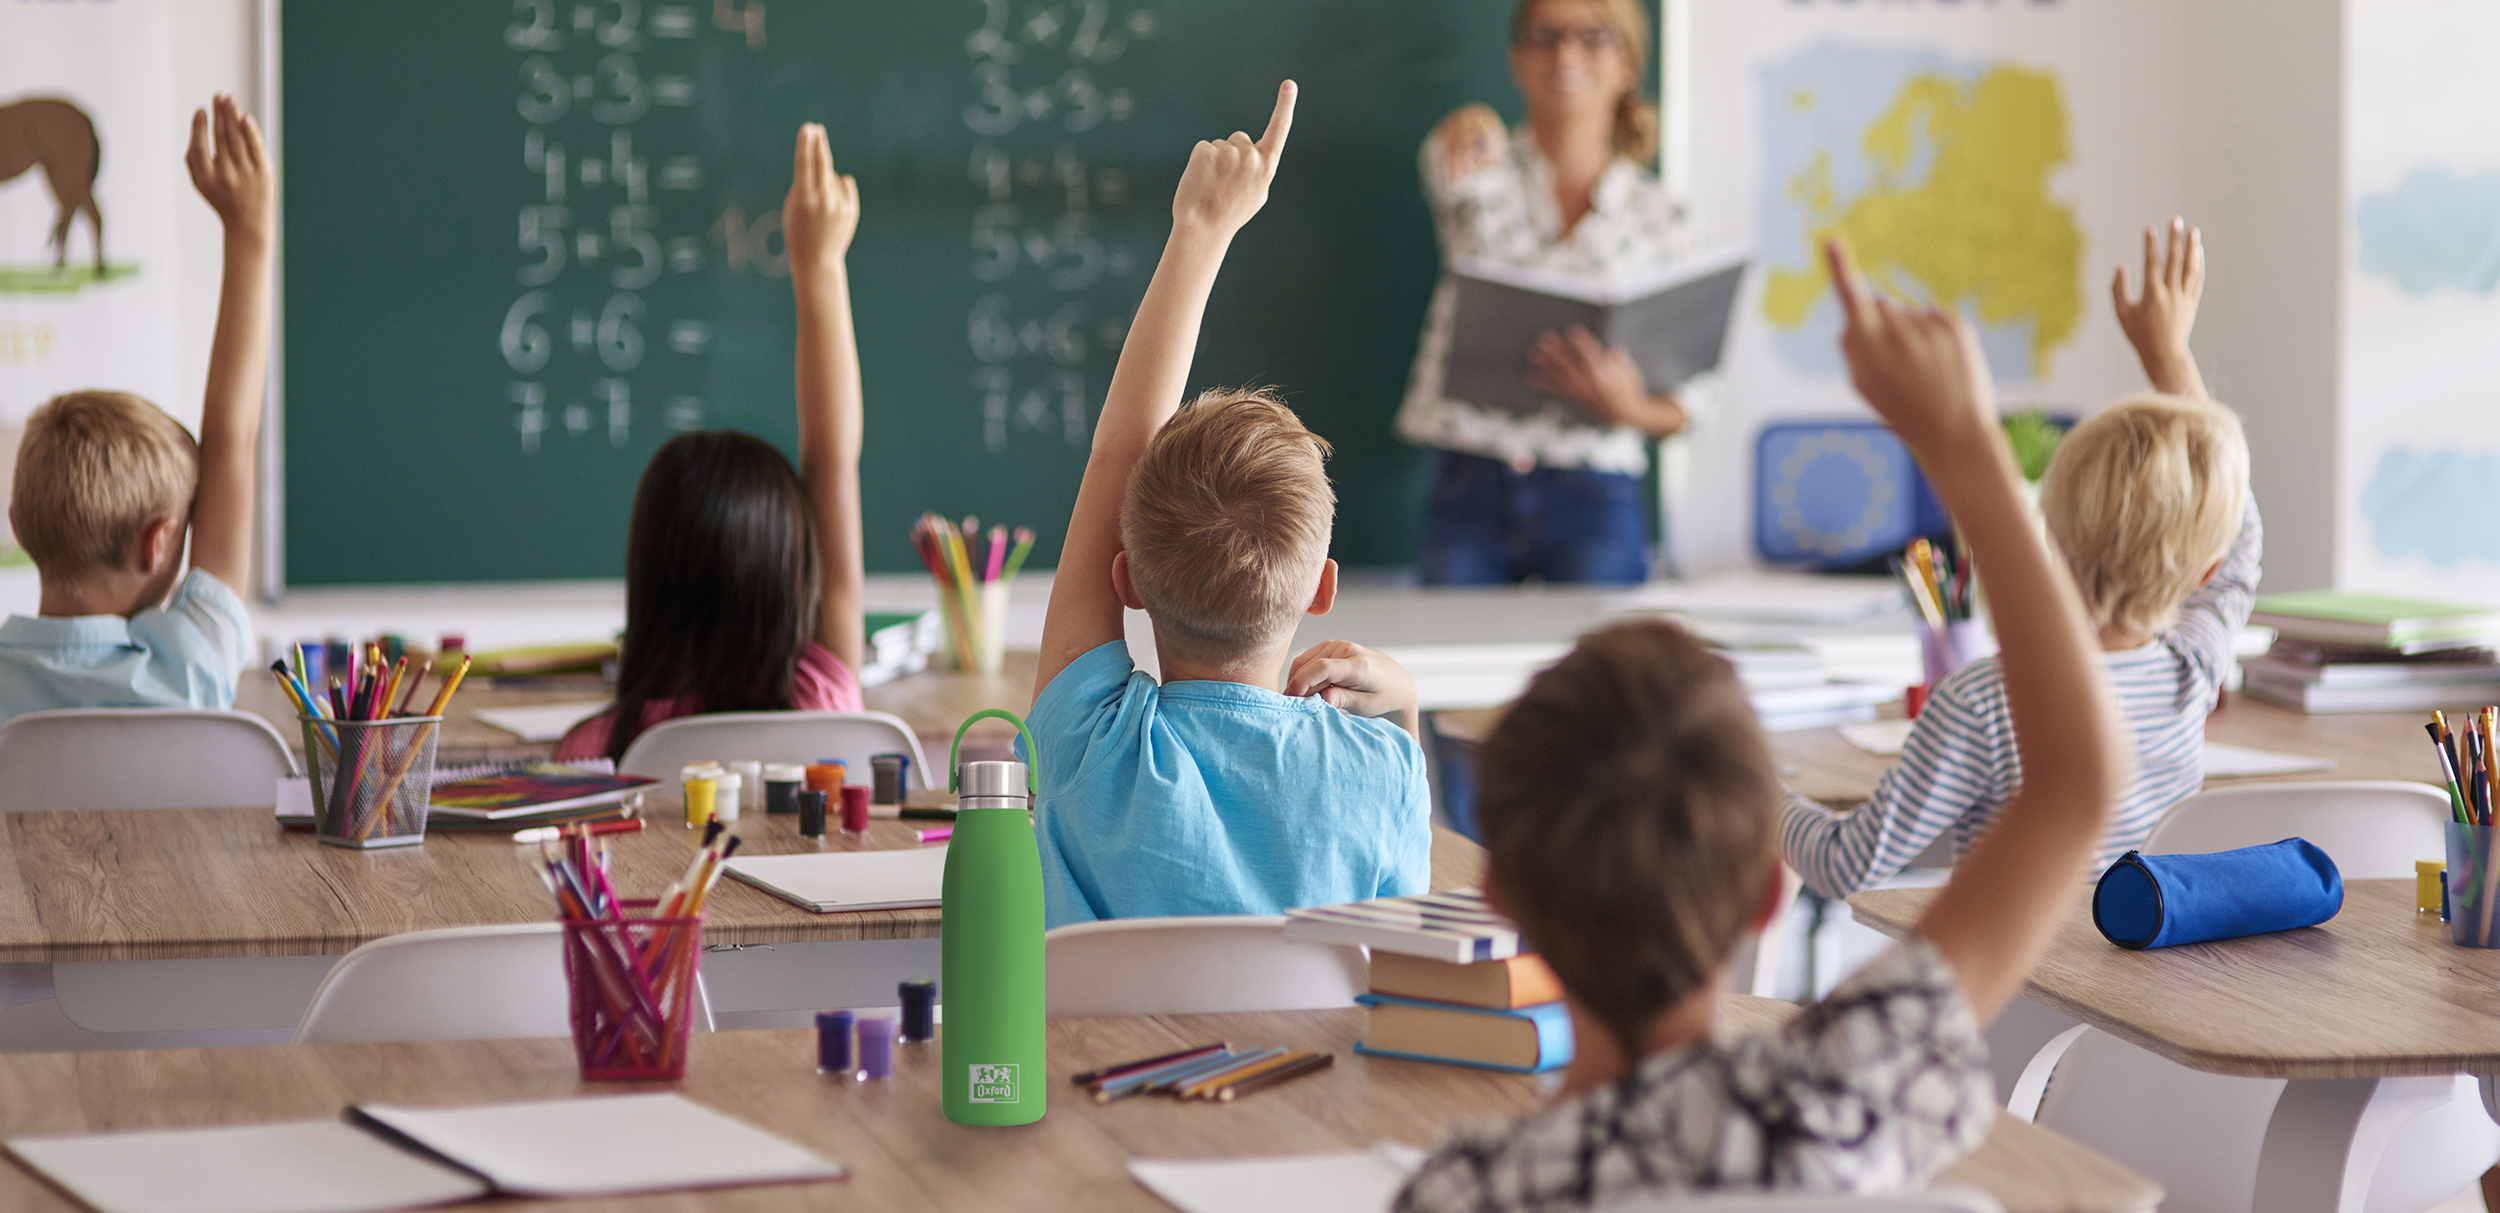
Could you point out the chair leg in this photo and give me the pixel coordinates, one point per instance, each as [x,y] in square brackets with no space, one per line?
[2024,1101]
[2327,1134]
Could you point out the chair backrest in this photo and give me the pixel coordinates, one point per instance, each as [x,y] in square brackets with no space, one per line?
[456,983]
[2373,830]
[140,758]
[1187,966]
[665,748]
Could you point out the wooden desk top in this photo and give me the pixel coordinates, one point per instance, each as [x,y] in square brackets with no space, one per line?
[932,704]
[2377,990]
[903,1154]
[2380,745]
[190,883]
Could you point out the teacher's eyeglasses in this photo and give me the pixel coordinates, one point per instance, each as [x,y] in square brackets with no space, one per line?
[1547,38]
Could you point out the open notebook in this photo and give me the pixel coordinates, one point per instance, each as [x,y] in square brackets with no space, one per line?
[382,1157]
[849,880]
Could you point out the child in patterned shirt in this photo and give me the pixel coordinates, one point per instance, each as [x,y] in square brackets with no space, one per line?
[1630,810]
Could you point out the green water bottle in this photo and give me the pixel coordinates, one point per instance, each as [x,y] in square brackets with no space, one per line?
[991,972]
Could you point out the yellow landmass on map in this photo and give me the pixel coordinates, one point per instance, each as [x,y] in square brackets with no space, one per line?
[1978,227]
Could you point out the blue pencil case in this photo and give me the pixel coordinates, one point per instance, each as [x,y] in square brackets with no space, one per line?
[2154,901]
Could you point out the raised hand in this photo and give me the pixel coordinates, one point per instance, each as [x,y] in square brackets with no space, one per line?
[821,212]
[1351,678]
[1921,368]
[1468,140]
[2158,321]
[1226,181]
[230,168]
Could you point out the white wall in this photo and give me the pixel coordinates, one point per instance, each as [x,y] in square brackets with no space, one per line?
[2263,111]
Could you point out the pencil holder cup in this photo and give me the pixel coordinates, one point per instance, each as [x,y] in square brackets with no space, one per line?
[1944,650]
[989,648]
[632,984]
[372,780]
[2474,885]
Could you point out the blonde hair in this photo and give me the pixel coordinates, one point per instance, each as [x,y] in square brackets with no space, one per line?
[2142,500]
[1636,119]
[1226,522]
[94,469]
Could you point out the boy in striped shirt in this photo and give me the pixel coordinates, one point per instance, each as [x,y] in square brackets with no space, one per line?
[2148,502]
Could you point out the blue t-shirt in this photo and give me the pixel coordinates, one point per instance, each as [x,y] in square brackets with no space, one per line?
[186,653]
[1217,798]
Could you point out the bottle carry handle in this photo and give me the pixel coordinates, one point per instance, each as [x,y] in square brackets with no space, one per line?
[955,752]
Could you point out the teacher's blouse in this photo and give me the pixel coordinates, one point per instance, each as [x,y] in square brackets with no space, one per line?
[1505,212]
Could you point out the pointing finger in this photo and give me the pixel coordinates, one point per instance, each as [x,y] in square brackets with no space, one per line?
[1280,122]
[2152,262]
[1845,281]
[2118,289]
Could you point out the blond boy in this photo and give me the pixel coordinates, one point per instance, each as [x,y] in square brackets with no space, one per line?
[1235,786]
[2148,502]
[108,488]
[1630,808]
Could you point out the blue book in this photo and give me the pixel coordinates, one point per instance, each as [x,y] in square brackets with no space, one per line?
[1524,1039]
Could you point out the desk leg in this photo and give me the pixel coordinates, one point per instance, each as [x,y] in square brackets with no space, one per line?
[2324,1142]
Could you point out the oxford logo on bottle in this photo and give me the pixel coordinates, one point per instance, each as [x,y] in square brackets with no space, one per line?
[993,1084]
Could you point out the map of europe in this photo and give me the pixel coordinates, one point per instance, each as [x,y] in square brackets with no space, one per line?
[1936,173]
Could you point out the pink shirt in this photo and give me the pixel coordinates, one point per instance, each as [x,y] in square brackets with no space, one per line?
[822,683]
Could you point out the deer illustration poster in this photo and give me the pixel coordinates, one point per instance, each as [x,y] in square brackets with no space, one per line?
[91,181]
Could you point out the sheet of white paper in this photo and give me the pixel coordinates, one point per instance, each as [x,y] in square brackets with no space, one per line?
[311,1166]
[1357,1181]
[1767,597]
[849,880]
[2236,761]
[604,1146]
[539,721]
[1883,737]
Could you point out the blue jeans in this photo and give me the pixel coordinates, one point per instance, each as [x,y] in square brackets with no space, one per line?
[1485,524]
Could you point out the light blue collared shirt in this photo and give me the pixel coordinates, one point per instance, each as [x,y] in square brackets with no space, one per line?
[186,653]
[1217,798]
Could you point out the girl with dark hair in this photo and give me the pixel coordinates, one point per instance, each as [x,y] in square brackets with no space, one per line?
[743,576]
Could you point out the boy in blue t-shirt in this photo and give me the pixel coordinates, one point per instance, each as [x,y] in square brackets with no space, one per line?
[108,490]
[1237,786]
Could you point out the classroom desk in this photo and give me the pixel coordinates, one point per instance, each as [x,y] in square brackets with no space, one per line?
[932,704]
[2371,999]
[2381,745]
[903,1154]
[168,920]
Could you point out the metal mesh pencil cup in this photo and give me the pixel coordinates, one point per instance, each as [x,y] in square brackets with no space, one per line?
[372,779]
[2474,885]
[632,986]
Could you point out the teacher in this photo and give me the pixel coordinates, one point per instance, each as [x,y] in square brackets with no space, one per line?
[1556,494]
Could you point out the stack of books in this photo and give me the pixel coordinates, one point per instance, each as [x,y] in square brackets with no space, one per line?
[1790,687]
[900,643]
[2343,652]
[1448,982]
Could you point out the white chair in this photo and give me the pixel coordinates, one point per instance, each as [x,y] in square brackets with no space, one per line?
[499,982]
[660,751]
[140,758]
[2198,1134]
[1188,966]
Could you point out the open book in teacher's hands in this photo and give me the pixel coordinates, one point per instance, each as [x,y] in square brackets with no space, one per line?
[1673,320]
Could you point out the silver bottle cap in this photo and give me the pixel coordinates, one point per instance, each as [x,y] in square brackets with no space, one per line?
[995,784]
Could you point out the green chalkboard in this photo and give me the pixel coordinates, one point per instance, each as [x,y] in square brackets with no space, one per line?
[528,240]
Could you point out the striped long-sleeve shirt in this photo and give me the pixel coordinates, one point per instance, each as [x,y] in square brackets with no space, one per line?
[1959,767]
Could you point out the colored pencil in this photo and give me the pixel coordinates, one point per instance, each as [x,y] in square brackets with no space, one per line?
[1095,1077]
[1278,1077]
